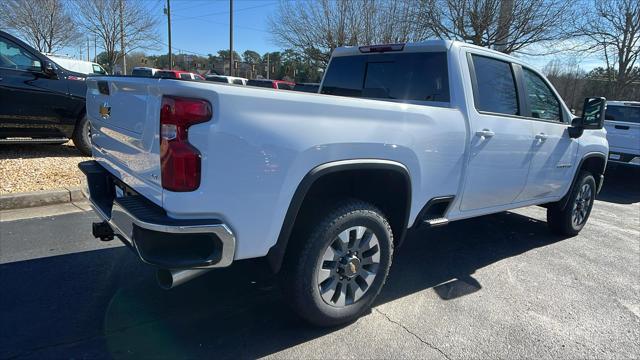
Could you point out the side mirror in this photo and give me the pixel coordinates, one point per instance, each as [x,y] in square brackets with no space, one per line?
[50,69]
[593,113]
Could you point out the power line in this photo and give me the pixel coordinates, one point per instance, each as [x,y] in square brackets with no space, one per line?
[226,12]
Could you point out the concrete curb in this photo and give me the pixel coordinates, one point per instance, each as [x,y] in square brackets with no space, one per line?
[41,198]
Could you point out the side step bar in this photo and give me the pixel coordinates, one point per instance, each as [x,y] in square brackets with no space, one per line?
[434,213]
[34,141]
[436,222]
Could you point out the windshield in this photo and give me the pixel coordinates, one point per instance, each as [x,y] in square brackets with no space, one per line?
[402,76]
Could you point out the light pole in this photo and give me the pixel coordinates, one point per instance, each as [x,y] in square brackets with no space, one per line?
[231,37]
[168,12]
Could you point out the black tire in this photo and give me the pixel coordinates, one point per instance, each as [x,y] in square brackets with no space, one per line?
[82,136]
[301,274]
[566,221]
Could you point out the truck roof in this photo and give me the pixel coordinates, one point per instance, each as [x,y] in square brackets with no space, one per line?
[428,45]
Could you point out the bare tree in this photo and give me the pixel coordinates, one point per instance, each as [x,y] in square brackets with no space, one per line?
[45,24]
[505,25]
[613,30]
[102,19]
[316,27]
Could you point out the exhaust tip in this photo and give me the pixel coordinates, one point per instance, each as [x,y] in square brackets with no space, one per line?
[168,279]
[164,278]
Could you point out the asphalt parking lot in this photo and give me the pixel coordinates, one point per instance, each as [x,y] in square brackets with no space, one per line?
[499,286]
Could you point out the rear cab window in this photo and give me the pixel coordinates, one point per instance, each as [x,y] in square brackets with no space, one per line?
[419,76]
[494,86]
[165,75]
[260,83]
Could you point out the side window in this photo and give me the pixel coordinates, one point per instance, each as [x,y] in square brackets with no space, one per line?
[542,100]
[13,56]
[185,76]
[496,86]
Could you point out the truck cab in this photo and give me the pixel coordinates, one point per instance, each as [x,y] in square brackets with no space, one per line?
[622,122]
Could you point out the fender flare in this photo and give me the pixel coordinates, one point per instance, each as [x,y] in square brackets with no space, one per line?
[565,199]
[276,253]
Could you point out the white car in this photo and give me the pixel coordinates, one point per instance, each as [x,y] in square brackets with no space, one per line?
[195,176]
[227,79]
[622,122]
[79,66]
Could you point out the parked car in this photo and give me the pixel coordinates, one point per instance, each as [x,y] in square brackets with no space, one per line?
[79,66]
[273,84]
[178,74]
[325,187]
[40,102]
[227,79]
[307,87]
[144,71]
[622,122]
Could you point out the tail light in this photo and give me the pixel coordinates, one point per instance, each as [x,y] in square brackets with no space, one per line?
[179,160]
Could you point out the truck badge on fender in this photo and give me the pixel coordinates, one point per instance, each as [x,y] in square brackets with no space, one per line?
[105,110]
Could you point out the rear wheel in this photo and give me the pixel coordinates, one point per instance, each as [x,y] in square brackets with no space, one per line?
[339,265]
[570,220]
[82,136]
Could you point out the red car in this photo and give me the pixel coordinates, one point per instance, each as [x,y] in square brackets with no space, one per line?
[177,74]
[274,84]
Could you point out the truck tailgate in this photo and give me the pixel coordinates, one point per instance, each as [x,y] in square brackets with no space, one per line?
[125,113]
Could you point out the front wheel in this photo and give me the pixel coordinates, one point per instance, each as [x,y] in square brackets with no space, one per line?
[82,136]
[570,220]
[337,271]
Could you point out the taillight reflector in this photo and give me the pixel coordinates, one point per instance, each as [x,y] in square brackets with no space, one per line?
[179,160]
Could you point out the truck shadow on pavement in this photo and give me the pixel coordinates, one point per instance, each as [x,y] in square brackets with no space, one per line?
[104,303]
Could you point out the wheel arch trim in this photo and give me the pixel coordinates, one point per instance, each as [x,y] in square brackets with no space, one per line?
[276,253]
[591,155]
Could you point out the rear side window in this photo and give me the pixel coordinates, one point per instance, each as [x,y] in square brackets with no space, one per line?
[284,86]
[238,82]
[542,100]
[266,84]
[623,113]
[496,86]
[398,76]
[141,72]
[166,75]
[185,76]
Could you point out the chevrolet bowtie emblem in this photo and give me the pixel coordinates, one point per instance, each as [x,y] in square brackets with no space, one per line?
[105,110]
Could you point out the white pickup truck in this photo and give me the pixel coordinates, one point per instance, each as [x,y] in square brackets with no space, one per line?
[195,175]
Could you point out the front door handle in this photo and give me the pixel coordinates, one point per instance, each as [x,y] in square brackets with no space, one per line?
[485,133]
[542,136]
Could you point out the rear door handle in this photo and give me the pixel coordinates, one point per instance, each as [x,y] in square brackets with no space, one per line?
[621,127]
[542,136]
[486,133]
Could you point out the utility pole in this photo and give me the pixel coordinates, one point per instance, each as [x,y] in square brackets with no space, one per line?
[124,55]
[168,12]
[231,37]
[95,48]
[268,66]
[88,50]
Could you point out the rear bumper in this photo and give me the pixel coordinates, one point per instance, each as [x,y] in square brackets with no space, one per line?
[157,238]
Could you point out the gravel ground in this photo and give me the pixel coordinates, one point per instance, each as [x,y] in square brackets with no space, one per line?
[39,167]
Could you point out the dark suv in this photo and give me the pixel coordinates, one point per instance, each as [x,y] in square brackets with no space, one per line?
[40,102]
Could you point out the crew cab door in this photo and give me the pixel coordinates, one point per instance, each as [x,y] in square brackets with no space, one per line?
[554,151]
[500,140]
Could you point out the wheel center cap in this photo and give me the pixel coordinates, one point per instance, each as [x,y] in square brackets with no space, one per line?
[351,266]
